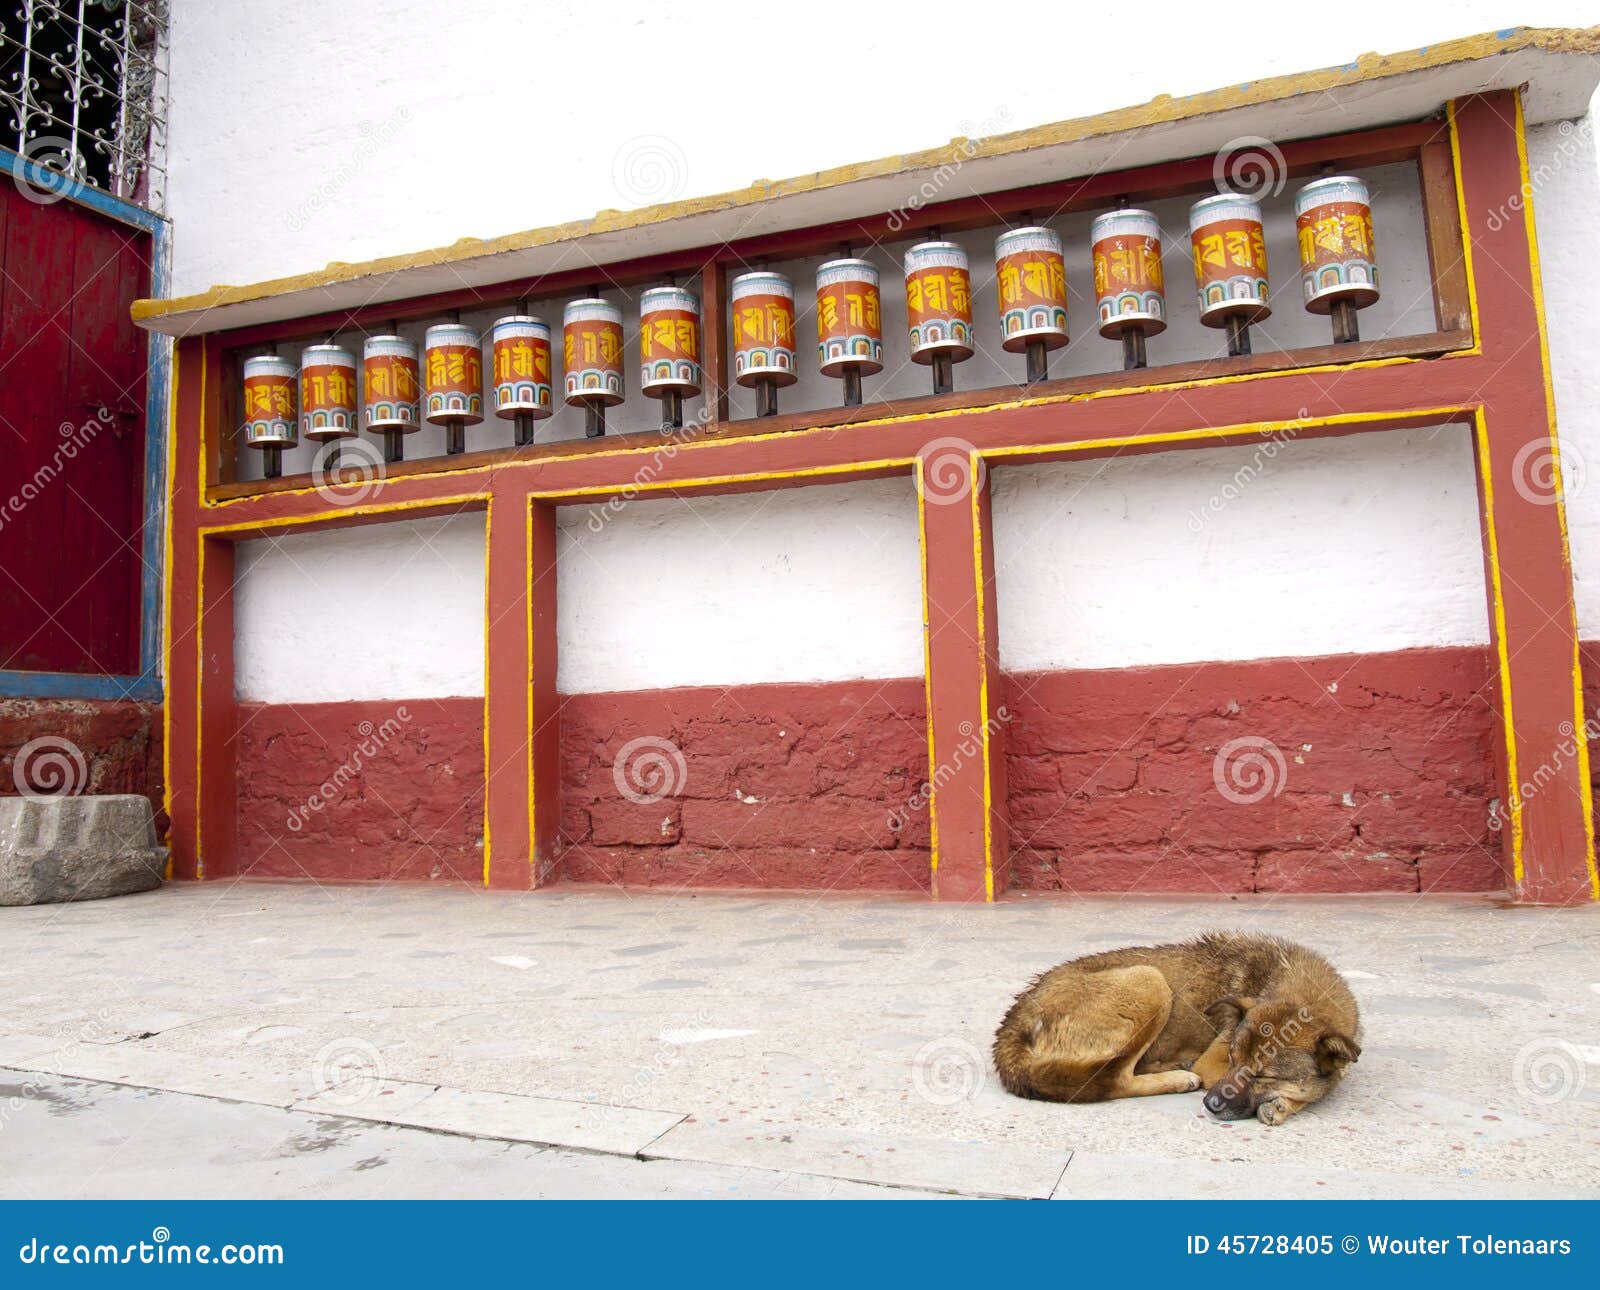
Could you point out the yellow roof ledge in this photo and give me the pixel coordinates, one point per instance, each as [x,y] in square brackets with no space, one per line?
[1556,65]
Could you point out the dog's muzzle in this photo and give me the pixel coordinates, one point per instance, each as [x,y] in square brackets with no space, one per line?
[1230,1098]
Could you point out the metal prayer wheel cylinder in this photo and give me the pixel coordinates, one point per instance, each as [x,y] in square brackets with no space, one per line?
[391,391]
[270,406]
[939,309]
[592,346]
[1338,265]
[523,391]
[327,392]
[1031,286]
[669,350]
[764,357]
[849,323]
[1129,286]
[1230,265]
[452,381]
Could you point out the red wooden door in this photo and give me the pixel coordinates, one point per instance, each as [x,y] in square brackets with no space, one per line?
[72,435]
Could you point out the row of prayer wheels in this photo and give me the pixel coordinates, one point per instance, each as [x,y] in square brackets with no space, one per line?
[399,390]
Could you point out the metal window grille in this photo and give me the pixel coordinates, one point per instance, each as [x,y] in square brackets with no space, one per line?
[83,91]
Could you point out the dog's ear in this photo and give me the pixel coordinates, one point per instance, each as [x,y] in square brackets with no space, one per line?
[1228,1012]
[1335,1052]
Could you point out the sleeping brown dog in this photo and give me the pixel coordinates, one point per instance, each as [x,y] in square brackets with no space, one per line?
[1266,1026]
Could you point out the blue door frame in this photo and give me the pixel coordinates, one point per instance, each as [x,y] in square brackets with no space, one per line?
[147,684]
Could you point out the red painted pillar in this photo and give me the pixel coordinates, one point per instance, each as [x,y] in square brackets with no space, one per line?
[966,717]
[217,764]
[1549,830]
[507,770]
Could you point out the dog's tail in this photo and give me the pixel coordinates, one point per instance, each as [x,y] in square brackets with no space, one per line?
[1028,1069]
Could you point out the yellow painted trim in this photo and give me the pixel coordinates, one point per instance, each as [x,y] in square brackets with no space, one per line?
[1579,720]
[199,687]
[1466,230]
[168,671]
[974,465]
[927,669]
[336,512]
[1160,111]
[1423,416]
[527,690]
[1497,595]
[488,547]
[748,477]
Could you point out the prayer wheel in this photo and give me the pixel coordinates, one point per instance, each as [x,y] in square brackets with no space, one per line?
[1338,268]
[452,382]
[1129,286]
[591,331]
[669,350]
[762,305]
[1031,284]
[1230,265]
[939,309]
[519,351]
[270,415]
[328,396]
[391,391]
[849,324]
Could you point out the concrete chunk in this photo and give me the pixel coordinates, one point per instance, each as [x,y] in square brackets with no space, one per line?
[55,849]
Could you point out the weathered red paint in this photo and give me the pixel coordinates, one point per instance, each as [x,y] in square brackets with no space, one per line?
[374,790]
[120,743]
[1376,773]
[811,786]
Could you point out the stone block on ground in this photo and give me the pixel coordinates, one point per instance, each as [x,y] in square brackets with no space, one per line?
[55,849]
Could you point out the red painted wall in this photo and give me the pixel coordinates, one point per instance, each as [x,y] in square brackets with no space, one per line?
[1111,782]
[368,790]
[781,786]
[1384,783]
[119,744]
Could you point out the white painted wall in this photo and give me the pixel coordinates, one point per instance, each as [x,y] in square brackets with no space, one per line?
[392,610]
[1325,546]
[802,584]
[305,134]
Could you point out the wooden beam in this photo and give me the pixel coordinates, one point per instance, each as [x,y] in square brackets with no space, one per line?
[507,695]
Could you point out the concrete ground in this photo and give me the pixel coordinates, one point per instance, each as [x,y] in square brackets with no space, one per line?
[592,1042]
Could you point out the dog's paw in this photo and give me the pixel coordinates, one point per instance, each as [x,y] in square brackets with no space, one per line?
[1273,1111]
[1193,1083]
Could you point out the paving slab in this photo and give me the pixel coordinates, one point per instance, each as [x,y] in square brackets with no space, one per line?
[173,1072]
[931,1164]
[514,1117]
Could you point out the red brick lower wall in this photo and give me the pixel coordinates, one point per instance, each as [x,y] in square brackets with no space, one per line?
[776,786]
[1367,773]
[1349,773]
[381,789]
[100,747]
